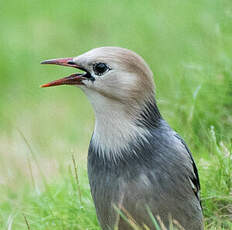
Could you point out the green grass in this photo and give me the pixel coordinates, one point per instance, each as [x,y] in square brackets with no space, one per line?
[188,45]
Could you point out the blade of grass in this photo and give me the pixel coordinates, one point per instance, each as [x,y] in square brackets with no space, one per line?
[28,226]
[77,179]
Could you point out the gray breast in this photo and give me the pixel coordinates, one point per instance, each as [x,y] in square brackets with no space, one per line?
[156,178]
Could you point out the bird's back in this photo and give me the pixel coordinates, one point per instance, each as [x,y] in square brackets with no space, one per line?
[158,175]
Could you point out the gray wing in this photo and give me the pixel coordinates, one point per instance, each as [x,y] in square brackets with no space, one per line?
[169,184]
[194,177]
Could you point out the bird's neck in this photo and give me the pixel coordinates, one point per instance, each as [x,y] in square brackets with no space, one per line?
[117,125]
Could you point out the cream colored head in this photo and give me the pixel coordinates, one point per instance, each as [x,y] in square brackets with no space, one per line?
[127,78]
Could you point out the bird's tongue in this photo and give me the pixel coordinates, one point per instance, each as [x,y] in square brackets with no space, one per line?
[74,79]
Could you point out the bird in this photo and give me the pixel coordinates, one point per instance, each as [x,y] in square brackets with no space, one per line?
[140,170]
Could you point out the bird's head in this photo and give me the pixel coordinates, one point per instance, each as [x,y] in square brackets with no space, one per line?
[119,85]
[112,72]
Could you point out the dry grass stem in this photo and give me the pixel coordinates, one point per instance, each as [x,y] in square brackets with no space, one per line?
[27,223]
[76,177]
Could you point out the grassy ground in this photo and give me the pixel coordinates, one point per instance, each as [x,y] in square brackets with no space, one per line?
[188,45]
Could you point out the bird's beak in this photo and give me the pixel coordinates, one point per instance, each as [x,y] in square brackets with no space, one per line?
[73,79]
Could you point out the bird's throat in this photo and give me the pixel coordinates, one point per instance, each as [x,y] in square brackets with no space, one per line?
[116,128]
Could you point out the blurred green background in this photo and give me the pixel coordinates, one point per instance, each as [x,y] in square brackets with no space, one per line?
[187,44]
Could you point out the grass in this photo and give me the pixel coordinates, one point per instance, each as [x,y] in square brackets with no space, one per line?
[187,45]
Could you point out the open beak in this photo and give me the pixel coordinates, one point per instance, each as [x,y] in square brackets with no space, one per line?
[73,79]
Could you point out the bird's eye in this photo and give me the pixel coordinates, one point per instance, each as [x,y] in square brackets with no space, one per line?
[100,68]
